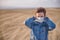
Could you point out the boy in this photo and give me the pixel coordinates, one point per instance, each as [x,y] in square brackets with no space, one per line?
[40,24]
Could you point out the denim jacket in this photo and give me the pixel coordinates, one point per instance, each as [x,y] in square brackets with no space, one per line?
[40,30]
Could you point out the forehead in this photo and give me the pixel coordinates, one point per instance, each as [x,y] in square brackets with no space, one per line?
[41,13]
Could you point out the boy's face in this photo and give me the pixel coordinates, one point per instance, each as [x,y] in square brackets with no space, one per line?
[41,14]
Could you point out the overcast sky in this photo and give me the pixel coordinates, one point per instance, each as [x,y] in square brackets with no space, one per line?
[28,3]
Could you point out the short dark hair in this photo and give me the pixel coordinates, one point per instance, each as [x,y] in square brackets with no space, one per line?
[41,9]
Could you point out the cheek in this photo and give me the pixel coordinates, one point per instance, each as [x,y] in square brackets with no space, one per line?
[43,15]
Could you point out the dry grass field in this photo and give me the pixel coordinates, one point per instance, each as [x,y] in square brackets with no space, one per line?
[13,28]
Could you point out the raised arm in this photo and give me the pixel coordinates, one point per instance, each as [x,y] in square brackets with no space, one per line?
[51,24]
[28,22]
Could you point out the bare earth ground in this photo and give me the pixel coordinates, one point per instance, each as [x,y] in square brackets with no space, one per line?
[13,28]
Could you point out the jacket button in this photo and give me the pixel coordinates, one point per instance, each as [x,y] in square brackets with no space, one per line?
[39,32]
[42,31]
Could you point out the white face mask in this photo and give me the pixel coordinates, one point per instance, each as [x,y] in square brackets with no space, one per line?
[40,19]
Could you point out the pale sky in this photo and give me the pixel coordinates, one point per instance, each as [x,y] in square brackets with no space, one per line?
[28,3]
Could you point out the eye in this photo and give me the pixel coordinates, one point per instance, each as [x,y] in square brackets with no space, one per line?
[38,16]
[41,16]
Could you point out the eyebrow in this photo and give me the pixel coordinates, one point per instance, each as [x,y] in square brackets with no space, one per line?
[40,16]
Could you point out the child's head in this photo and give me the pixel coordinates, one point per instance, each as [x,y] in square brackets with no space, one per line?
[41,12]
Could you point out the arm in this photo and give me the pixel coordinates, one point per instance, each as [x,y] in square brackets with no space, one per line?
[51,25]
[28,22]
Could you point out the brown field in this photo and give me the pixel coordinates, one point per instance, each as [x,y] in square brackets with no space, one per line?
[13,28]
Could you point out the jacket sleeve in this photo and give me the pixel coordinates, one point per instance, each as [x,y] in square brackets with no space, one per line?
[51,25]
[28,22]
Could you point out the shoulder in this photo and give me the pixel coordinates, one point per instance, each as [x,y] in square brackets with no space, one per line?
[31,18]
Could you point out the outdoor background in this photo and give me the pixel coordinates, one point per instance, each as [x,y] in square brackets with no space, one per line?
[14,12]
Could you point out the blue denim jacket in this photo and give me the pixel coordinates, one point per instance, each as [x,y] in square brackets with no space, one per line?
[40,30]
